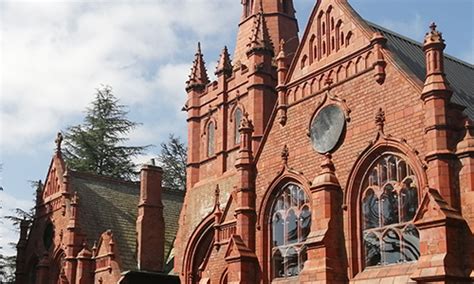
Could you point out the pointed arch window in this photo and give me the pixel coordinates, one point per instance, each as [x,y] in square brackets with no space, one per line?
[290,227]
[389,203]
[210,138]
[248,4]
[237,120]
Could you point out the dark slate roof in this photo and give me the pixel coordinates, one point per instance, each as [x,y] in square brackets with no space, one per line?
[111,204]
[460,74]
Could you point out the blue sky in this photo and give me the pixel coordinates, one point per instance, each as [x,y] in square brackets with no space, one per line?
[54,54]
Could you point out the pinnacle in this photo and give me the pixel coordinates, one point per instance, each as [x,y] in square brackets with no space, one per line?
[433,35]
[224,65]
[260,39]
[281,53]
[198,76]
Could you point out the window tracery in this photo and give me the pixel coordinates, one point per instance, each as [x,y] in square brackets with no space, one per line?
[290,227]
[389,204]
[210,139]
[237,120]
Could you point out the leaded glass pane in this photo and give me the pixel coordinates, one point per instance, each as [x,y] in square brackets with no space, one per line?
[409,201]
[389,205]
[278,264]
[392,168]
[373,178]
[402,170]
[291,225]
[372,249]
[210,139]
[294,195]
[305,223]
[383,173]
[370,210]
[291,260]
[411,244]
[237,120]
[278,230]
[391,247]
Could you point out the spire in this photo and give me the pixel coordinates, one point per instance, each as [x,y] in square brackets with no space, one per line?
[224,66]
[260,39]
[280,24]
[198,78]
[217,205]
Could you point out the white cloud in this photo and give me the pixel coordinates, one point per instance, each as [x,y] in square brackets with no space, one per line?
[54,54]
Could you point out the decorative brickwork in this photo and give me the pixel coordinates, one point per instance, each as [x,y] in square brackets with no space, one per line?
[361,230]
[389,200]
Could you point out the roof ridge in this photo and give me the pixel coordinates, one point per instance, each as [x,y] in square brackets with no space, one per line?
[417,43]
[82,174]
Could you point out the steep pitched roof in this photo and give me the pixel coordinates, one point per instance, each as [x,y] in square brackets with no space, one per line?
[460,74]
[108,203]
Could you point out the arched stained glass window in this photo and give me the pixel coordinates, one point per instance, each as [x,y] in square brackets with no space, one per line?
[389,203]
[237,120]
[290,227]
[210,139]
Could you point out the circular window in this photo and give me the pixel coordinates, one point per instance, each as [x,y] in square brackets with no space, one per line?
[327,128]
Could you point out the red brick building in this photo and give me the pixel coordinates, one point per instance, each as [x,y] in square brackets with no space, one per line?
[344,157]
[95,229]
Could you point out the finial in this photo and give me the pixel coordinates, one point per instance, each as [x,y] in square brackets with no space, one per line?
[58,141]
[380,120]
[199,48]
[281,53]
[285,153]
[245,122]
[282,44]
[433,36]
[327,165]
[260,39]
[224,66]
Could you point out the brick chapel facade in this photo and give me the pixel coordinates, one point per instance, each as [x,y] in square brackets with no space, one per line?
[89,228]
[344,157]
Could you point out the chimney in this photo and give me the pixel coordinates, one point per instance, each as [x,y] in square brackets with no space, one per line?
[21,252]
[150,222]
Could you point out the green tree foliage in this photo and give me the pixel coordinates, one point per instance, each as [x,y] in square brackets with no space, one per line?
[7,269]
[173,158]
[7,263]
[97,145]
